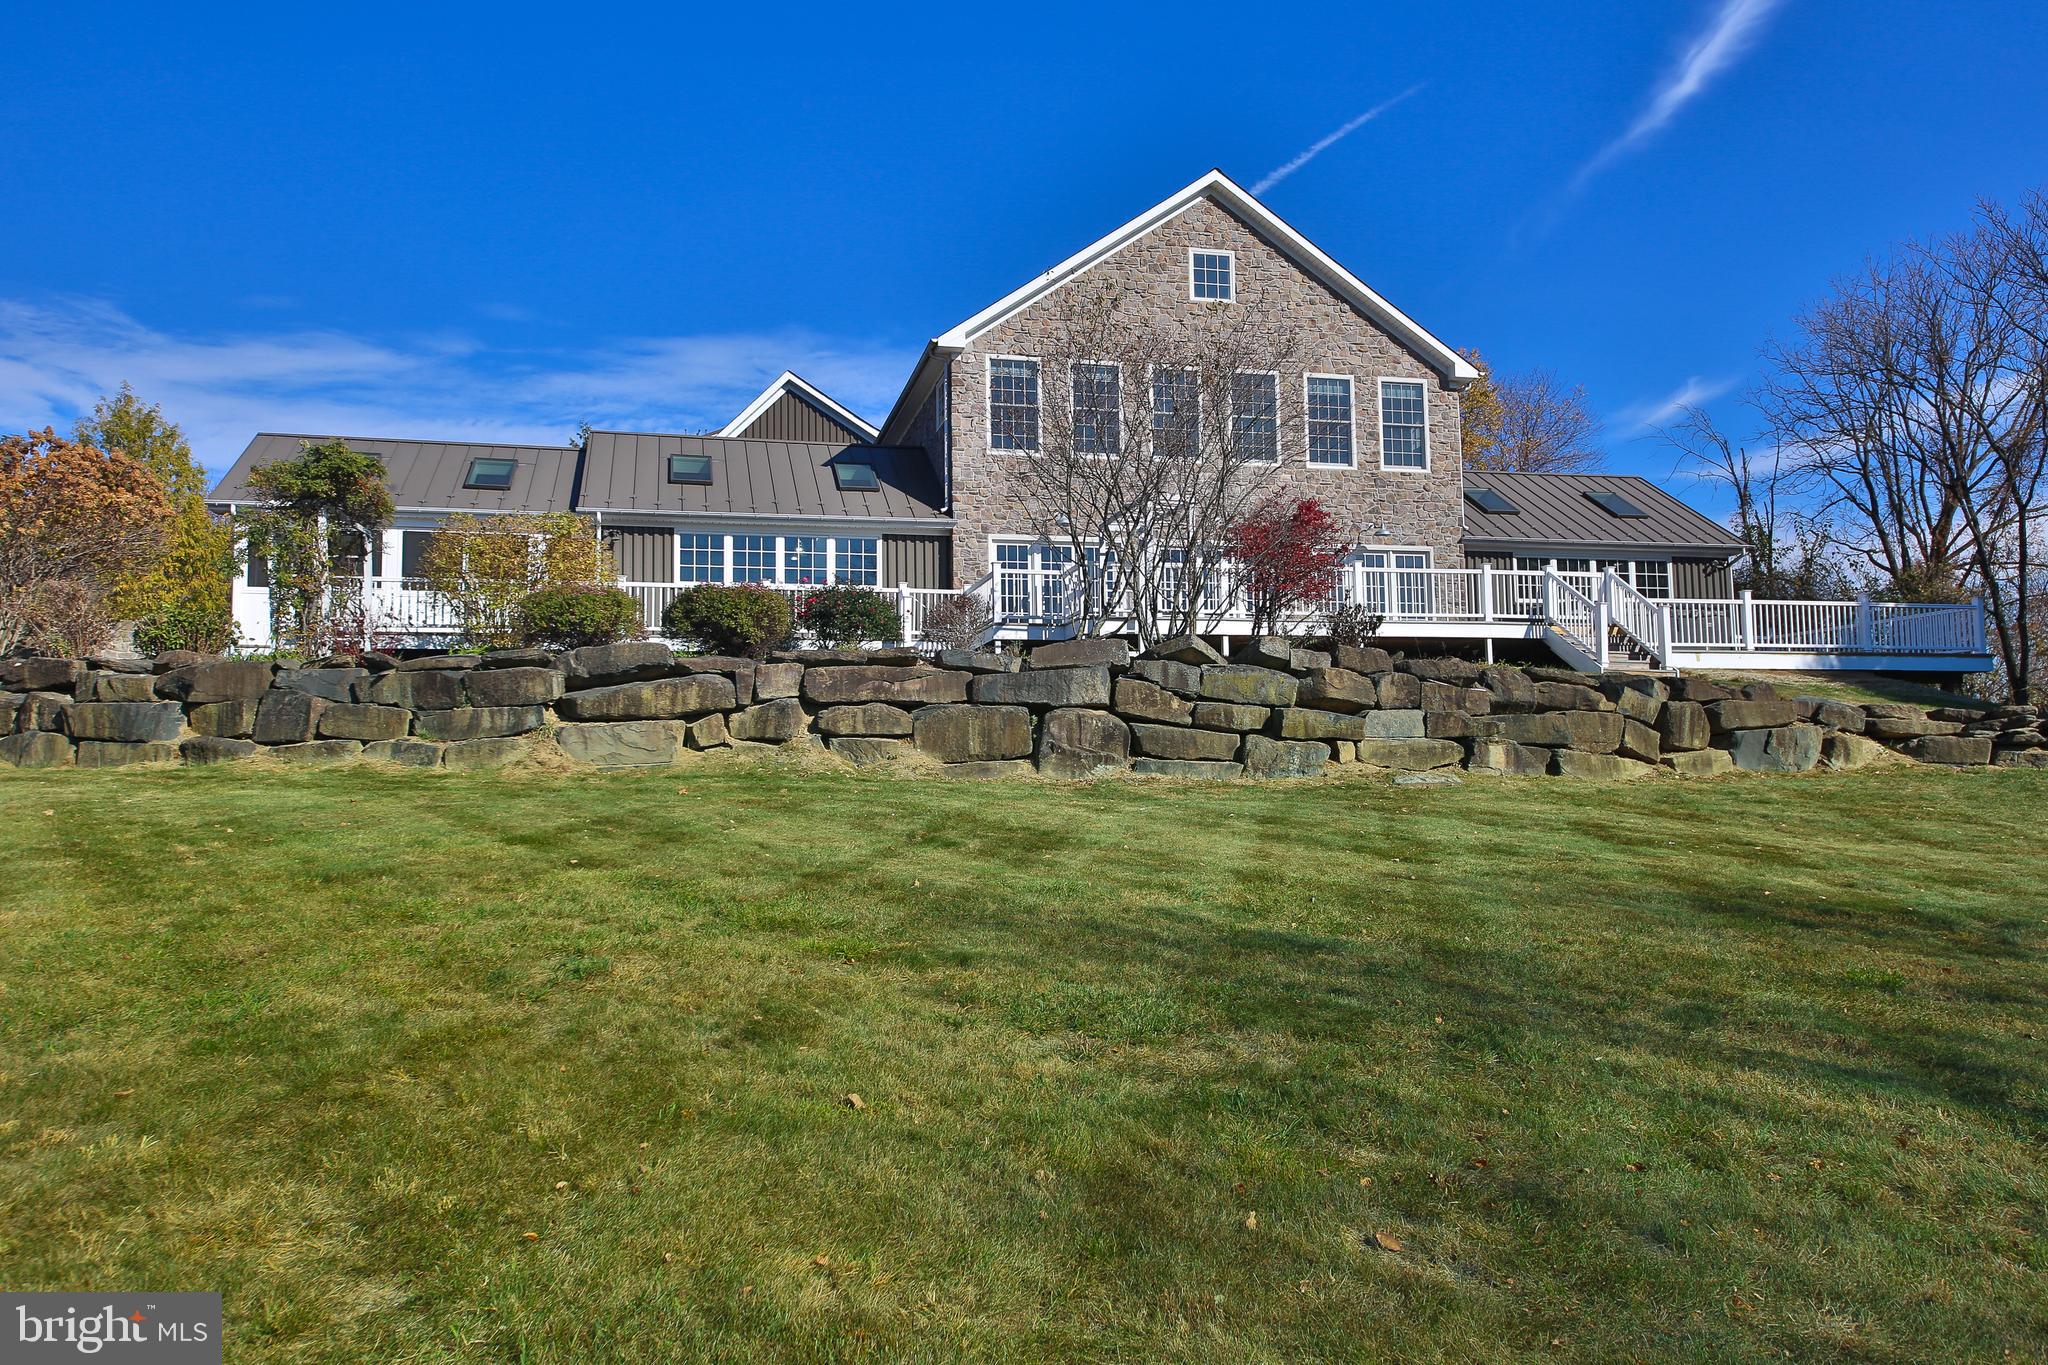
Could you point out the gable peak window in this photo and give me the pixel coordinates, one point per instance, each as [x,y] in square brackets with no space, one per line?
[489,473]
[689,469]
[1212,276]
[1012,403]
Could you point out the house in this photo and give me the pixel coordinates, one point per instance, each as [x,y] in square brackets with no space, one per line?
[797,489]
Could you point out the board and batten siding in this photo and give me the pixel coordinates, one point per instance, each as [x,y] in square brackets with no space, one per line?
[1689,577]
[790,418]
[920,561]
[645,554]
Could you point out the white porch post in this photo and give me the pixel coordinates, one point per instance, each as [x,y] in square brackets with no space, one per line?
[1746,624]
[1664,634]
[1603,614]
[1549,593]
[1983,625]
[1866,623]
[903,601]
[1486,602]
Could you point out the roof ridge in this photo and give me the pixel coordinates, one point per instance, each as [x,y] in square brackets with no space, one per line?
[411,440]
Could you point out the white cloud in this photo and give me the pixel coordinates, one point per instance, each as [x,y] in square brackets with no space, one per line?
[58,357]
[1734,27]
[1638,418]
[1317,148]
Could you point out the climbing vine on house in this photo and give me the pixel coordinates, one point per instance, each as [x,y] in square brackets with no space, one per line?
[316,517]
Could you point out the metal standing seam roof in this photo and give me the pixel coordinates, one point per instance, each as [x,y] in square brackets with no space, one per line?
[625,471]
[1553,509]
[428,475]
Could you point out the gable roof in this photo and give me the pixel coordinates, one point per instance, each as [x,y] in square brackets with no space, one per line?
[627,471]
[1456,370]
[1553,510]
[428,475]
[795,385]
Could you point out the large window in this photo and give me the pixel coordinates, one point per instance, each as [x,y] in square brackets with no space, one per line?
[753,559]
[1012,403]
[1255,415]
[1098,405]
[857,559]
[1330,426]
[1212,276]
[1176,412]
[703,558]
[804,559]
[1396,582]
[1404,441]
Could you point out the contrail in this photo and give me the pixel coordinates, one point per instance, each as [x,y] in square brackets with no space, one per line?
[1317,148]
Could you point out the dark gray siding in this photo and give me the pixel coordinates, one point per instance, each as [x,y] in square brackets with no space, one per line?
[790,418]
[920,561]
[645,554]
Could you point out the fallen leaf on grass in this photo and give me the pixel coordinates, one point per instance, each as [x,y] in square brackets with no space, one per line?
[1251,1221]
[854,1102]
[530,1236]
[822,1260]
[1387,1241]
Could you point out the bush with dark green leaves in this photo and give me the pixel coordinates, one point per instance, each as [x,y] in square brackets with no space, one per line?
[740,619]
[185,625]
[572,617]
[843,616]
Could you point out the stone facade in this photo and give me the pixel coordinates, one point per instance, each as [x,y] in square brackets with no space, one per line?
[1072,709]
[1417,508]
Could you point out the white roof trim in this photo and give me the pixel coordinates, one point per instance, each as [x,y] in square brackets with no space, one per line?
[791,382]
[1221,188]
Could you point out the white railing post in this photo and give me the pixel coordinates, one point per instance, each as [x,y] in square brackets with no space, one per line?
[1980,626]
[1549,594]
[1603,616]
[1866,623]
[1664,634]
[1486,592]
[903,612]
[1745,622]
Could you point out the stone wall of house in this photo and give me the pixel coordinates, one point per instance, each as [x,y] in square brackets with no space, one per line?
[1417,507]
[1072,709]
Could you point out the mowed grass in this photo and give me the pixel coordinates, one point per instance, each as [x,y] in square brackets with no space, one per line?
[555,1067]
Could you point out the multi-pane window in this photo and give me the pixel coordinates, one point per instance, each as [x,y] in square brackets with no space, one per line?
[1013,578]
[703,558]
[1403,442]
[753,559]
[803,559]
[856,560]
[1653,577]
[1013,403]
[1210,276]
[1255,415]
[1409,581]
[1098,403]
[1329,419]
[1176,412]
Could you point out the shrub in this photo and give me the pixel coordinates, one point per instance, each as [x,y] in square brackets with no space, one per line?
[842,616]
[742,619]
[185,625]
[957,622]
[1351,624]
[66,618]
[571,617]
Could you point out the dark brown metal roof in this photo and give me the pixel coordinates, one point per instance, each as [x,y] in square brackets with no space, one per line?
[428,475]
[625,471]
[1553,509]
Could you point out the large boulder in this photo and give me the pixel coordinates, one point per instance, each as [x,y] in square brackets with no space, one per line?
[1249,684]
[1443,696]
[118,687]
[427,689]
[865,751]
[1086,653]
[524,657]
[42,711]
[1954,750]
[35,749]
[1699,762]
[624,744]
[1400,691]
[1457,672]
[1597,767]
[128,722]
[335,684]
[216,680]
[1830,714]
[1396,724]
[1762,713]
[1682,725]
[1337,689]
[1639,741]
[513,686]
[482,722]
[353,720]
[986,770]
[1188,745]
[1361,658]
[1593,732]
[611,665]
[773,682]
[873,718]
[1784,749]
[1698,690]
[1185,679]
[1263,651]
[1639,699]
[772,722]
[1186,767]
[1136,699]
[1274,758]
[1844,750]
[40,675]
[101,753]
[319,752]
[1230,715]
[852,684]
[448,662]
[1501,759]
[1073,742]
[1301,722]
[659,699]
[1894,728]
[205,749]
[740,670]
[1185,649]
[490,752]
[953,733]
[406,753]
[1410,755]
[1046,687]
[978,661]
[2020,758]
[288,717]
[1566,696]
[223,719]
[707,732]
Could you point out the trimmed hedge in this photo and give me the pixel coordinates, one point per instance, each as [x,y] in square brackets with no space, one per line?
[570,618]
[843,616]
[740,619]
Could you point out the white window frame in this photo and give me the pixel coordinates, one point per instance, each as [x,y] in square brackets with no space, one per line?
[1381,394]
[834,561]
[988,404]
[1230,413]
[1386,554]
[1116,365]
[1307,442]
[1230,256]
[1152,373]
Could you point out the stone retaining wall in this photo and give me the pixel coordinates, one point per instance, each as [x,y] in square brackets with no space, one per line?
[1072,709]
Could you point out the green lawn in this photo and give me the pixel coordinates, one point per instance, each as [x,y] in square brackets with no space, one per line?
[555,1067]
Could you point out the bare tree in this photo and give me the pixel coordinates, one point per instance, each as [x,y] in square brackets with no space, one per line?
[1527,423]
[1149,442]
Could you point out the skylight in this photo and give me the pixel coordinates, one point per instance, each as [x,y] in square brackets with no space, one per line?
[487,473]
[689,469]
[1486,500]
[853,477]
[1616,505]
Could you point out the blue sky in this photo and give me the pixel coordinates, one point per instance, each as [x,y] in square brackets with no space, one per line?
[497,222]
